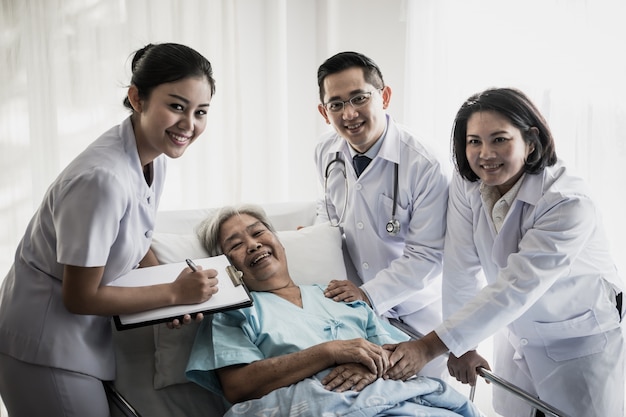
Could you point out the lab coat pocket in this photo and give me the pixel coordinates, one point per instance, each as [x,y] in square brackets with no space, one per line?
[384,216]
[573,338]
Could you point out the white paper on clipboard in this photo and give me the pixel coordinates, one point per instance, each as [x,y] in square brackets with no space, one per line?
[232,293]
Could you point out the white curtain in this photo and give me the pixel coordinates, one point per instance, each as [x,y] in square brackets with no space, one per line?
[65,66]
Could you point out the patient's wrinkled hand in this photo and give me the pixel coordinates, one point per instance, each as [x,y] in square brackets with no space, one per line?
[359,350]
[345,291]
[349,376]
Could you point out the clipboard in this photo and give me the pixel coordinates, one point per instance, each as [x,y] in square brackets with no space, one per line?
[232,293]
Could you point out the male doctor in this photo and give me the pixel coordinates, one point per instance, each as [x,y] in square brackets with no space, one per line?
[386,192]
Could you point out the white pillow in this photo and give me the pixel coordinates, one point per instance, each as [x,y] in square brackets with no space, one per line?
[314,256]
[314,253]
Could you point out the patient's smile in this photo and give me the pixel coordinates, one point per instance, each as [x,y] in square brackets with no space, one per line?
[259,258]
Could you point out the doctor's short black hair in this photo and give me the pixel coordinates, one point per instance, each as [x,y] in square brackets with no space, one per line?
[345,60]
[521,112]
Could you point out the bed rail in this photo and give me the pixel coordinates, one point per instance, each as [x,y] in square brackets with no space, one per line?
[535,402]
[117,400]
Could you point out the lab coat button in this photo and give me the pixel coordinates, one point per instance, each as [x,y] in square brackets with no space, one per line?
[366,265]
[149,234]
[358,186]
[523,342]
[359,225]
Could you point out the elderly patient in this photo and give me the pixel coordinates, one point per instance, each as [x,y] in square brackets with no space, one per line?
[296,352]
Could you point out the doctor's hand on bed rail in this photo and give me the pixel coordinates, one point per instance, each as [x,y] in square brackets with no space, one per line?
[464,367]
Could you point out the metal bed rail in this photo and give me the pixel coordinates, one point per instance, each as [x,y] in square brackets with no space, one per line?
[535,402]
[117,400]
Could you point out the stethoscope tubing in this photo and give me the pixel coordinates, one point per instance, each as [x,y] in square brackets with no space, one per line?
[328,170]
[392,227]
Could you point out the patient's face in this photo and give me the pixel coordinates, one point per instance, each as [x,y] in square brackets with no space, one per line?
[255,251]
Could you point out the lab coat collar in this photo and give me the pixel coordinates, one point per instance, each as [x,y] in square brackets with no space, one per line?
[390,148]
[534,185]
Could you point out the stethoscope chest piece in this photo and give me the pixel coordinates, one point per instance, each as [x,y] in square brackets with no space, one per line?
[393,227]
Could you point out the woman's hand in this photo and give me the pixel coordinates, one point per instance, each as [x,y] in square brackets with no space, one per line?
[177,324]
[464,367]
[345,291]
[195,287]
[348,376]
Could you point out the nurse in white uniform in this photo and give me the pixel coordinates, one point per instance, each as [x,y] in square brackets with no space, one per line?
[95,223]
[519,217]
[392,213]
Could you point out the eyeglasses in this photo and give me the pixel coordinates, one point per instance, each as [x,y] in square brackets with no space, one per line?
[356,101]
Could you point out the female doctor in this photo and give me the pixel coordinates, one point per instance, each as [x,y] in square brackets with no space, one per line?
[95,223]
[519,216]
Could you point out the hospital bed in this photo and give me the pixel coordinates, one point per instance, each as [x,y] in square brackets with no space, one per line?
[151,360]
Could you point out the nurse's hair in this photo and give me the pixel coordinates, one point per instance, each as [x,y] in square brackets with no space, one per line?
[157,64]
[521,112]
[209,230]
[343,61]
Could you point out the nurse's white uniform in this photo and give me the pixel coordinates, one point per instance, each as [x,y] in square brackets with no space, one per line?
[99,211]
[551,289]
[400,274]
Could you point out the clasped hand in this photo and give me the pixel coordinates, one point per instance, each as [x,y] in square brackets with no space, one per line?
[360,363]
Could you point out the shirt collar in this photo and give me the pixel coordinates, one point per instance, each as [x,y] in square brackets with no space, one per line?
[491,195]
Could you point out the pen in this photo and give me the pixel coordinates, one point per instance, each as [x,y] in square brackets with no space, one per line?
[192,265]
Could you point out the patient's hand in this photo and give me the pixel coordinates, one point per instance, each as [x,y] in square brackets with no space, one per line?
[345,291]
[359,351]
[349,376]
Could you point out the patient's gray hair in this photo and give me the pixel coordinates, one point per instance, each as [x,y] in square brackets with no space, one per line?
[209,230]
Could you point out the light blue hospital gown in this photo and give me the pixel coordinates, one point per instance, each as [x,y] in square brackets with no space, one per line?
[274,327]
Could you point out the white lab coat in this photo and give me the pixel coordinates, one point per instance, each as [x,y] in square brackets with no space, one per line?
[401,274]
[550,279]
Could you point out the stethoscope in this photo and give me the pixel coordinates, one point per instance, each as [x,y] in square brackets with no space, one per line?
[392,226]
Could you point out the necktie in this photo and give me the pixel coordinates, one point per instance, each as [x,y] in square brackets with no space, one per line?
[360,163]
